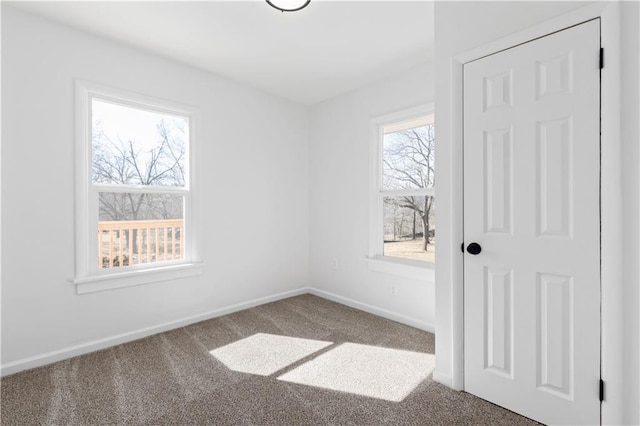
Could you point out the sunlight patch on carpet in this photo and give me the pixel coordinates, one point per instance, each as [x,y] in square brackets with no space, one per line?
[264,354]
[383,373]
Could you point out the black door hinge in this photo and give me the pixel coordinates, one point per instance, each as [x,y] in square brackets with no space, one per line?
[601,57]
[462,247]
[601,390]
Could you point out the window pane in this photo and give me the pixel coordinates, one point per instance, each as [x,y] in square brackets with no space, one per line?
[137,147]
[408,158]
[405,219]
[136,228]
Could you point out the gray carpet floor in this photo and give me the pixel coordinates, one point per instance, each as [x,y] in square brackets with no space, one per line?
[299,361]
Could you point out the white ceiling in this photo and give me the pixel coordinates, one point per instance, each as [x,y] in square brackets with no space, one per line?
[326,49]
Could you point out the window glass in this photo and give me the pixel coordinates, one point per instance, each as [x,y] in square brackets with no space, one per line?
[409,158]
[408,185]
[404,225]
[144,154]
[137,147]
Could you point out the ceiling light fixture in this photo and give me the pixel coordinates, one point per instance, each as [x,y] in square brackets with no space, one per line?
[288,5]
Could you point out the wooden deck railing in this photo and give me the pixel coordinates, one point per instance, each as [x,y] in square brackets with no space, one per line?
[124,243]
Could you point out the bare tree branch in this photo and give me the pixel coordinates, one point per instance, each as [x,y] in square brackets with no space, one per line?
[409,162]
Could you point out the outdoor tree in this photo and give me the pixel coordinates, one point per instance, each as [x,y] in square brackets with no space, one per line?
[408,163]
[126,162]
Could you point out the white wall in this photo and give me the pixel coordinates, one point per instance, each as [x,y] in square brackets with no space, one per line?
[339,197]
[630,121]
[479,23]
[255,179]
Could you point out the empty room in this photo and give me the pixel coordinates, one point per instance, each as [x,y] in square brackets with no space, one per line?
[225,212]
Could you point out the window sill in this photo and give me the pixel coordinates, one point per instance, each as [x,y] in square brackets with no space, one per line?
[421,271]
[132,278]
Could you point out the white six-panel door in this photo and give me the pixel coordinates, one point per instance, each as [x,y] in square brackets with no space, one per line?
[532,204]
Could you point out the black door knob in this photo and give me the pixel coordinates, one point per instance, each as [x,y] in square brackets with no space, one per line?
[474,248]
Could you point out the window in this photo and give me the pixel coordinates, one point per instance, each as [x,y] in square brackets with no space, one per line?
[136,208]
[403,203]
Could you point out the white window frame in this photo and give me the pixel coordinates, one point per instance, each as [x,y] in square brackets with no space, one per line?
[376,261]
[88,277]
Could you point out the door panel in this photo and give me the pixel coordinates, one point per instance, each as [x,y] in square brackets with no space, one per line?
[498,182]
[554,302]
[498,311]
[554,148]
[531,200]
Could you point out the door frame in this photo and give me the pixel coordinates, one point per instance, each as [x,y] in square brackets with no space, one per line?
[611,200]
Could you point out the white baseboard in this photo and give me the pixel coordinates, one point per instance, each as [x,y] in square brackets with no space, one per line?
[96,345]
[403,319]
[443,379]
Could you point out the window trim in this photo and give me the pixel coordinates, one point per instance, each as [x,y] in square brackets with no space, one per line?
[376,261]
[88,278]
